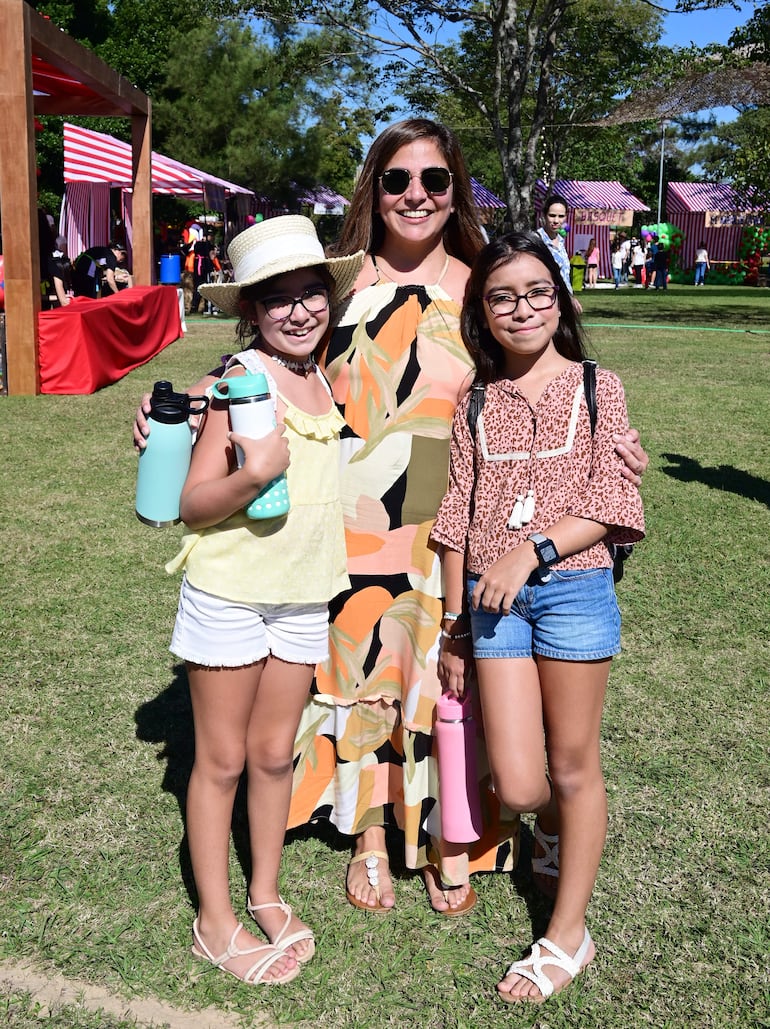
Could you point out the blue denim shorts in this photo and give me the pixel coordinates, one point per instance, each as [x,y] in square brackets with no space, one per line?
[572,617]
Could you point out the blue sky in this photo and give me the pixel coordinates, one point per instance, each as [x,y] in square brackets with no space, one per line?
[704,27]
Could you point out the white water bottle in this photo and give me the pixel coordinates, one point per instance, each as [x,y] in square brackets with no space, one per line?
[252,414]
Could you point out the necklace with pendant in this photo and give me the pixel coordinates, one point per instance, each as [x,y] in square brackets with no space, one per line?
[304,367]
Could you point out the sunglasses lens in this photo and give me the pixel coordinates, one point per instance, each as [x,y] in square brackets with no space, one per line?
[436,180]
[395,181]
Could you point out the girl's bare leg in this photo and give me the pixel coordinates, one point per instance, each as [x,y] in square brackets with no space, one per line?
[573,698]
[275,715]
[222,702]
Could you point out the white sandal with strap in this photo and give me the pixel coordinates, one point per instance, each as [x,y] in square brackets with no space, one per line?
[532,967]
[281,941]
[253,975]
[547,864]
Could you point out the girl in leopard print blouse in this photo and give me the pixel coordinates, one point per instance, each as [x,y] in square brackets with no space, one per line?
[535,501]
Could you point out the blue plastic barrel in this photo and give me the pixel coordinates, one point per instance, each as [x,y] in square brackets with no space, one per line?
[170,269]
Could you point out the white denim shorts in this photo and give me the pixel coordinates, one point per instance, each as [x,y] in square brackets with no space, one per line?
[220,633]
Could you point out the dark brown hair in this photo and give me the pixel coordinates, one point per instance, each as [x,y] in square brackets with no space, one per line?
[246,331]
[363,228]
[487,354]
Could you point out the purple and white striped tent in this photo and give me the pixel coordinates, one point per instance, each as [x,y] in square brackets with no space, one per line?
[592,208]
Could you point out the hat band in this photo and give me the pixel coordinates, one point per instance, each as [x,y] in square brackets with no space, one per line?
[261,257]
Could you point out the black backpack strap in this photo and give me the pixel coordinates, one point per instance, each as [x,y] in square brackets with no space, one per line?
[589,389]
[475,404]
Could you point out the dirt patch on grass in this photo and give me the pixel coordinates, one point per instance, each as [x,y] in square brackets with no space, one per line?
[53,992]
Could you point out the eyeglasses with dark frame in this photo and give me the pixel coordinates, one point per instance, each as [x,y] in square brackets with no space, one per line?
[395,181]
[539,299]
[315,300]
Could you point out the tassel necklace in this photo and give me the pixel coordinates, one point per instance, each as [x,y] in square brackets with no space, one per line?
[524,509]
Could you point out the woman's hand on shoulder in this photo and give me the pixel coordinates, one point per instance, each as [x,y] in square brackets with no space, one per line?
[634,457]
[141,428]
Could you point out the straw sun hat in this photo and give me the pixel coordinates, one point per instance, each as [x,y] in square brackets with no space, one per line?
[273,247]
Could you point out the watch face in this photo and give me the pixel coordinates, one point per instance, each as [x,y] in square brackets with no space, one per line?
[548,553]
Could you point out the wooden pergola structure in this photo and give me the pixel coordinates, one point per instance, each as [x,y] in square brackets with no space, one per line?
[44,71]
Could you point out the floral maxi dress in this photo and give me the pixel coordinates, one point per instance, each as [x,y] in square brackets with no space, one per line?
[365,750]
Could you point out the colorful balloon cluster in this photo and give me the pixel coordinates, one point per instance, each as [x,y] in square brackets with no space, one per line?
[669,235]
[755,241]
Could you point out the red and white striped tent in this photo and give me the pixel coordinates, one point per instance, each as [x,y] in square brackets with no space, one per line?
[94,163]
[592,208]
[707,212]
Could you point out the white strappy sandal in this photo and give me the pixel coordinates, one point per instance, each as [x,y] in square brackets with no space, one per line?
[281,941]
[532,968]
[545,869]
[255,974]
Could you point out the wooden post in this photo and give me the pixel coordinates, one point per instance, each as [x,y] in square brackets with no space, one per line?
[141,210]
[18,189]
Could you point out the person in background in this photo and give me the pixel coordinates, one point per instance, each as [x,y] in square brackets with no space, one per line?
[660,265]
[60,275]
[616,260]
[702,264]
[592,264]
[94,270]
[637,261]
[554,219]
[204,253]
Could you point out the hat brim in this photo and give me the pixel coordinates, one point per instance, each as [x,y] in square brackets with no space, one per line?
[344,271]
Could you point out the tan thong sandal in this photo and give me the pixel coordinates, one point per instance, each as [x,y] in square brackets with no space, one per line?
[371,858]
[450,912]
[281,941]
[253,975]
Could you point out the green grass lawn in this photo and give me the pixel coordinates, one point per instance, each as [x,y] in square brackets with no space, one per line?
[96,741]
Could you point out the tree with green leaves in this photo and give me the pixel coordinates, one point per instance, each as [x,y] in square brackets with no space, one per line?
[512,98]
[275,116]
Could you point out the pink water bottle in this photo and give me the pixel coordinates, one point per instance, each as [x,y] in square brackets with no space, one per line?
[458,784]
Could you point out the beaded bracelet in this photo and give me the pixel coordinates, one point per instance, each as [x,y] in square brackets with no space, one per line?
[455,635]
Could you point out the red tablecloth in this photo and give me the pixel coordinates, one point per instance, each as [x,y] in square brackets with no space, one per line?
[91,343]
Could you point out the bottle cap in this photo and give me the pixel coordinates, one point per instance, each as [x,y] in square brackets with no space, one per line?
[172,408]
[450,709]
[241,386]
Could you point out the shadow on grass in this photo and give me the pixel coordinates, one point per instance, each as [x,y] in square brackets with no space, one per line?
[167,720]
[722,477]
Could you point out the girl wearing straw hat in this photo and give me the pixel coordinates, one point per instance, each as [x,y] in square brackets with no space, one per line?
[252,623]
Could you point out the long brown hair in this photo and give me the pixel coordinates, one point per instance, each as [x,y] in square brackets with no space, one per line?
[363,228]
[487,354]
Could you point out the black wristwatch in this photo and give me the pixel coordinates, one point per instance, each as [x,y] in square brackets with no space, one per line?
[546,551]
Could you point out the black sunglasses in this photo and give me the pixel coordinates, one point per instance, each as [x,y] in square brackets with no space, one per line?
[395,181]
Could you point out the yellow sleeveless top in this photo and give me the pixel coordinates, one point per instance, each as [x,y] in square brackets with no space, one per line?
[297,559]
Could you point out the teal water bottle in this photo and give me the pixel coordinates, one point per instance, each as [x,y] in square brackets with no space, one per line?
[165,461]
[252,414]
